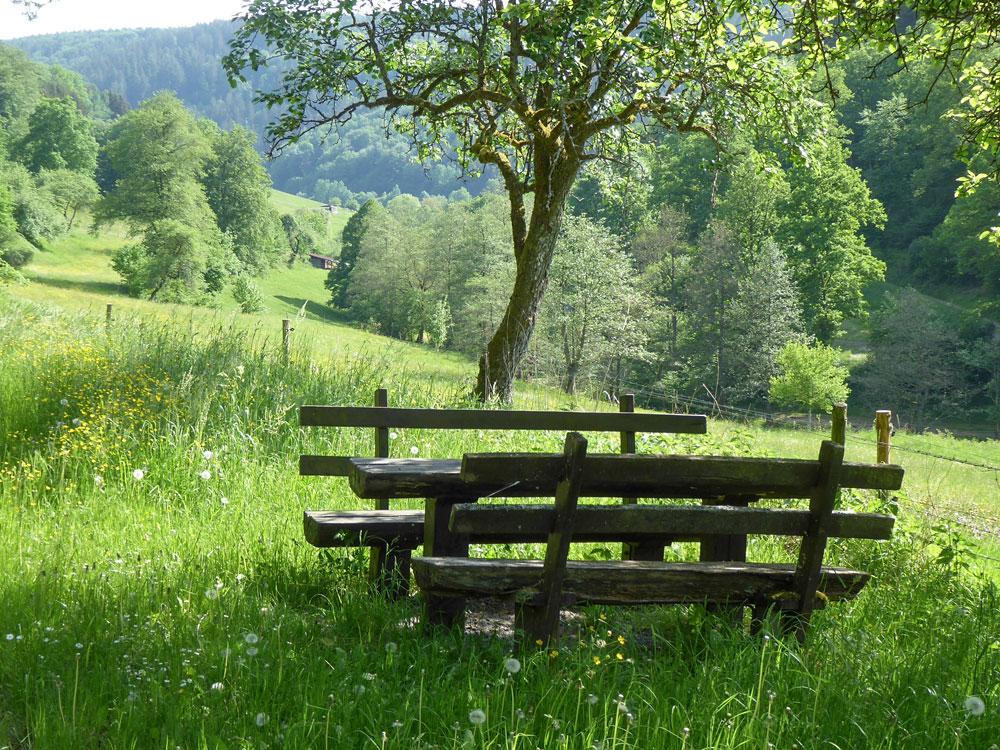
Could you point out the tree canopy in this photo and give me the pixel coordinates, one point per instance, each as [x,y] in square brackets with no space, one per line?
[539,88]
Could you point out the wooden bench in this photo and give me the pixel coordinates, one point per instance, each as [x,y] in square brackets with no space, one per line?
[393,534]
[722,579]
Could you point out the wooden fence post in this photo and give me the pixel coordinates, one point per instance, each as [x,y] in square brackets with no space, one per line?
[838,428]
[286,338]
[883,432]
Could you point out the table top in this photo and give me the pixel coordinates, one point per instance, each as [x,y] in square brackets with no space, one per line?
[381,478]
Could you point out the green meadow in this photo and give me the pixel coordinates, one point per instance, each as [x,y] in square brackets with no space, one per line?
[158,592]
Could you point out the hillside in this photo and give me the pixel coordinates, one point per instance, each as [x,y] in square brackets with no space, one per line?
[358,163]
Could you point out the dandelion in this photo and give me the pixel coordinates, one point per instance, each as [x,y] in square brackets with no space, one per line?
[477,716]
[98,480]
[261,719]
[597,661]
[975,706]
[592,699]
[397,724]
[224,502]
[208,455]
[76,422]
[138,475]
[217,687]
[391,647]
[512,665]
[251,638]
[212,593]
[206,475]
[10,636]
[414,450]
[393,434]
[622,707]
[252,651]
[79,646]
[63,402]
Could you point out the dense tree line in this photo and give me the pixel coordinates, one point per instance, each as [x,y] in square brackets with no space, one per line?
[195,197]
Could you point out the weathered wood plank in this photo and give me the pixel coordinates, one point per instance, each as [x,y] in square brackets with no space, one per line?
[597,523]
[486,419]
[807,571]
[676,476]
[541,621]
[631,582]
[325,466]
[357,528]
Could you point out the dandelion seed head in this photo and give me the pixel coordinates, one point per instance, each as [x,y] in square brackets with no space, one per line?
[206,475]
[251,638]
[477,716]
[975,706]
[138,475]
[63,402]
[391,647]
[10,636]
[208,455]
[224,502]
[217,687]
[98,480]
[252,651]
[212,593]
[512,665]
[393,434]
[414,450]
[592,699]
[261,719]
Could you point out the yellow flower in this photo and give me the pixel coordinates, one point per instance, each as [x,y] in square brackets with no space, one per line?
[619,656]
[597,661]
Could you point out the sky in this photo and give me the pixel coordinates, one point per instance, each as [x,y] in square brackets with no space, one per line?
[85,15]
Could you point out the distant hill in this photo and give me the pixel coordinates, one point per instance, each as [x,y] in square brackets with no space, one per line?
[136,63]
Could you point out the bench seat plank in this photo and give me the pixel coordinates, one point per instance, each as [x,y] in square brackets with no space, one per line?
[631,582]
[637,522]
[357,528]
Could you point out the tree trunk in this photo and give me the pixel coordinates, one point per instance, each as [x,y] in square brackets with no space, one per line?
[499,364]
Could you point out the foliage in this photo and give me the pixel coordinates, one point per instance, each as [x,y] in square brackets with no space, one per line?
[811,377]
[71,191]
[350,247]
[247,294]
[238,190]
[59,137]
[8,226]
[38,218]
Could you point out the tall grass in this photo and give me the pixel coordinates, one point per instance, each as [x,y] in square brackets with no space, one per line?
[183,608]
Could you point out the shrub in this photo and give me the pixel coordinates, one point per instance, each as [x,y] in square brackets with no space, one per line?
[248,295]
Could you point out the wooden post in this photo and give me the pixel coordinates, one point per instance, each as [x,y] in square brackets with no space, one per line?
[286,338]
[838,429]
[109,313]
[388,569]
[381,439]
[634,550]
[441,541]
[883,429]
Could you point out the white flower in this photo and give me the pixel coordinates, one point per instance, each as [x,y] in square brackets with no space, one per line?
[208,455]
[63,402]
[206,475]
[98,480]
[512,665]
[394,435]
[391,647]
[76,423]
[240,578]
[975,706]
[592,699]
[414,450]
[622,707]
[261,719]
[138,475]
[251,638]
[224,502]
[217,686]
[212,593]
[10,636]
[79,646]
[251,651]
[477,716]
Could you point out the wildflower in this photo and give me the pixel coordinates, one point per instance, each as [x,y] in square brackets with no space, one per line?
[76,422]
[217,686]
[261,719]
[975,706]
[98,480]
[621,640]
[414,450]
[138,475]
[251,638]
[393,434]
[252,651]
[10,636]
[477,716]
[63,402]
[79,646]
[391,647]
[512,665]
[622,707]
[592,699]
[397,724]
[240,578]
[519,714]
[208,455]
[620,656]
[206,475]
[597,661]
[224,502]
[212,593]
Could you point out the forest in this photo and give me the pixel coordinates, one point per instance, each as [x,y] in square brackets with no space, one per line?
[687,273]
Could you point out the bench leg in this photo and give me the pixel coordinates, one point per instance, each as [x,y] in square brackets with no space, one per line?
[726,548]
[439,541]
[389,570]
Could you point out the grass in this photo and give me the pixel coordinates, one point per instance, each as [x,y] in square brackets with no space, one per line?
[182,608]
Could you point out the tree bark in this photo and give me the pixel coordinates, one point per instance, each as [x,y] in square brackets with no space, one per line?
[498,366]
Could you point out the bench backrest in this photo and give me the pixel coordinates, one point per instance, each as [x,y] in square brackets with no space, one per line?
[382,418]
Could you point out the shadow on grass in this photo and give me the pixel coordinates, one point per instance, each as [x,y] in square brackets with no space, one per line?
[314,310]
[94,287]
